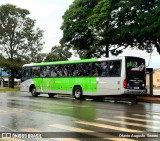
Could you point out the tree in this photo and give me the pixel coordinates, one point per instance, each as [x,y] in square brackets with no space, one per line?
[19,38]
[111,25]
[40,57]
[130,24]
[2,61]
[58,53]
[100,23]
[138,24]
[76,32]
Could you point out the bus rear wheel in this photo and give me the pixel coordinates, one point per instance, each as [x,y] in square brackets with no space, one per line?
[33,92]
[77,93]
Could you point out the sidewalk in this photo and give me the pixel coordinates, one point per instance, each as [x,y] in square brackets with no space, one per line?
[155,98]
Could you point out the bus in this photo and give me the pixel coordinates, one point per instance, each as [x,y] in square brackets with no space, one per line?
[88,77]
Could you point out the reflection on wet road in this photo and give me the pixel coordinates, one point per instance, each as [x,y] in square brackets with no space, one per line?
[73,119]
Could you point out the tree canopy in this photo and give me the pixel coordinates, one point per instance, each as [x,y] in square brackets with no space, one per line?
[112,25]
[76,32]
[132,24]
[58,53]
[19,38]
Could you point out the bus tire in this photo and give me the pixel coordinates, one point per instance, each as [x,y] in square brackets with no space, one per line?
[33,92]
[77,93]
[51,95]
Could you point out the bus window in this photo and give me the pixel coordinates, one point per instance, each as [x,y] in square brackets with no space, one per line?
[59,70]
[80,68]
[45,71]
[88,69]
[104,68]
[35,71]
[84,69]
[25,73]
[53,71]
[72,70]
[66,70]
[96,69]
[135,73]
[115,68]
[100,69]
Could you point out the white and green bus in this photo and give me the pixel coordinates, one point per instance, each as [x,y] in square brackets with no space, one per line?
[88,77]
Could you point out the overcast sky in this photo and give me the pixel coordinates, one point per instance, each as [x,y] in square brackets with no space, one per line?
[48,14]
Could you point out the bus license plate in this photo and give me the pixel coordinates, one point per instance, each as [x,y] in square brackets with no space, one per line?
[136,88]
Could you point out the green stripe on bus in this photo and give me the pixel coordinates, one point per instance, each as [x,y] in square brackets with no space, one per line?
[66,62]
[66,84]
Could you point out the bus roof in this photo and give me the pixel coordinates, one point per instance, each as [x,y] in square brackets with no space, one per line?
[77,61]
[62,62]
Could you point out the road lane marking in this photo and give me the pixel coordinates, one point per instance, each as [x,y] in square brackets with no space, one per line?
[12,110]
[155,113]
[10,139]
[18,109]
[127,123]
[137,119]
[90,132]
[3,111]
[147,115]
[108,126]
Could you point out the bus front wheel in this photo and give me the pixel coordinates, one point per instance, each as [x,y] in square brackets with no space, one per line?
[77,93]
[33,91]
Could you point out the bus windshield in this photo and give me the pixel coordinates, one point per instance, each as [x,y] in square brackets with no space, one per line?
[135,73]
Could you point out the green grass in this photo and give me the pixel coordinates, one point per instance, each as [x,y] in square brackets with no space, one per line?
[5,89]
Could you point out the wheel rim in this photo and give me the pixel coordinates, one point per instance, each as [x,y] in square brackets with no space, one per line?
[77,93]
[33,91]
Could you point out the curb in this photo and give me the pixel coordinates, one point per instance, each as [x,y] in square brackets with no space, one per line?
[154,99]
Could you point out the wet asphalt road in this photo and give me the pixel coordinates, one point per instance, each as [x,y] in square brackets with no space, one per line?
[19,112]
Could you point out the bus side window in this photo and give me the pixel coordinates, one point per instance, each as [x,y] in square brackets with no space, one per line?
[115,68]
[80,69]
[42,69]
[35,71]
[45,71]
[59,70]
[53,72]
[73,70]
[96,69]
[104,69]
[84,69]
[65,70]
[48,72]
[69,70]
[88,69]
